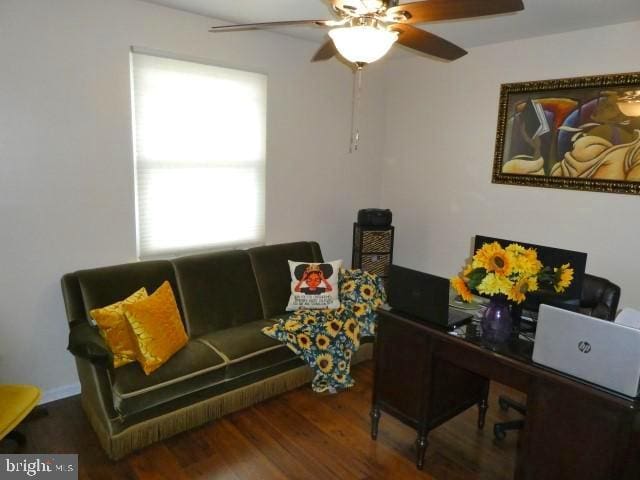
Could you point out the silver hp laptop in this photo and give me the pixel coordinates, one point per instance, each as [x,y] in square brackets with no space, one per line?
[598,351]
[423,296]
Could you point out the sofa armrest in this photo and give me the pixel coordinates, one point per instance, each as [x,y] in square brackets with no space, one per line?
[85,342]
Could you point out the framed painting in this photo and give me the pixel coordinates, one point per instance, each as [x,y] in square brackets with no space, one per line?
[570,133]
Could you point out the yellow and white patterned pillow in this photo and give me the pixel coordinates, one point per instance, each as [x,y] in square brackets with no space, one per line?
[115,329]
[157,328]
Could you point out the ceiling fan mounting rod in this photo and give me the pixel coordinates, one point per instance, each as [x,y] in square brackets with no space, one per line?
[359,8]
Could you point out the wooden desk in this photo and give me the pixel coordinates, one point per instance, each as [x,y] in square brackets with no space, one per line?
[573,430]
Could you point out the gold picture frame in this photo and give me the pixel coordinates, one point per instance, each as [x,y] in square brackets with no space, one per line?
[570,133]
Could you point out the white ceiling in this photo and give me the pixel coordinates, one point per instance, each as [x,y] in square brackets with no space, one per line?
[540,17]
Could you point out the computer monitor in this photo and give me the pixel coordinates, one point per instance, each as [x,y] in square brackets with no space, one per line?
[550,257]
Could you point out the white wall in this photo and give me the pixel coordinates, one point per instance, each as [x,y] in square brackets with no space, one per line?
[440,136]
[66,185]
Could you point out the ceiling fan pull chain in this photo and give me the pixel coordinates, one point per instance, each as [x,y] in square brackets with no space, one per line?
[355,107]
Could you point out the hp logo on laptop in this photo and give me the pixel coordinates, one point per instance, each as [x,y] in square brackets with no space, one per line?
[584,347]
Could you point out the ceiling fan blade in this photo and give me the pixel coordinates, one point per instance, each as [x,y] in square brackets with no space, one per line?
[258,26]
[326,51]
[426,42]
[434,10]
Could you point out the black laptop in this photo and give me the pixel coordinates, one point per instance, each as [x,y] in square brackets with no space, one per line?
[423,296]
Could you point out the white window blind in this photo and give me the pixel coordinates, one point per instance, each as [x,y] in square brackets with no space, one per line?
[200,148]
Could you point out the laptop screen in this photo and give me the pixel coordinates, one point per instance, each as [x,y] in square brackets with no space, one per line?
[595,350]
[418,293]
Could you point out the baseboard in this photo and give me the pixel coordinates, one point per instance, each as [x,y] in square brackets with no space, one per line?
[59,393]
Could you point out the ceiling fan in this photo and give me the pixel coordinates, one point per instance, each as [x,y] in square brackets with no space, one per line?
[366,29]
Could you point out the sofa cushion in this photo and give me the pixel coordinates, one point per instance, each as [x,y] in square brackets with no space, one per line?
[107,285]
[284,315]
[218,291]
[246,348]
[271,268]
[207,395]
[193,368]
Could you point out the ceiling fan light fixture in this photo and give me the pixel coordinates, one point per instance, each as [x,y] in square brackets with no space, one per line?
[629,103]
[363,44]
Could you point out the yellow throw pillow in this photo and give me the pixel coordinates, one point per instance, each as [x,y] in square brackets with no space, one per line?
[157,328]
[115,329]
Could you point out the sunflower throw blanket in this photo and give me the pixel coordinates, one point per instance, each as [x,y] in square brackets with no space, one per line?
[327,339]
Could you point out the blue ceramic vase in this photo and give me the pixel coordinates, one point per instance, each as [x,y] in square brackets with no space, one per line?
[496,321]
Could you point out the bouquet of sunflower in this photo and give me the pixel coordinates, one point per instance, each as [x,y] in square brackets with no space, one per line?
[512,271]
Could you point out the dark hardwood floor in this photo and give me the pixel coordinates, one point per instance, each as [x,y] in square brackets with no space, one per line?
[296,435]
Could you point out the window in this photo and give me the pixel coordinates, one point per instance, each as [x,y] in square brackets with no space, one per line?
[199,148]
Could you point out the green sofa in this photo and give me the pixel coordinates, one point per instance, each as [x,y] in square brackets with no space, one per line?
[225,299]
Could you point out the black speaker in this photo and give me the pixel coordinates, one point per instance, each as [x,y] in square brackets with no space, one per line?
[374,217]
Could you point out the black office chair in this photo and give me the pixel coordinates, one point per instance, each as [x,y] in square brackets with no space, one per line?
[599,298]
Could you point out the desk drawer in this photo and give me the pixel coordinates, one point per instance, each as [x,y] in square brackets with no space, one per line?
[484,363]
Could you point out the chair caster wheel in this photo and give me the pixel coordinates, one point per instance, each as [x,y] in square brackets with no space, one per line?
[499,433]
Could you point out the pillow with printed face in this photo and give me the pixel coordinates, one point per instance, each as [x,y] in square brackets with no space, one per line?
[314,285]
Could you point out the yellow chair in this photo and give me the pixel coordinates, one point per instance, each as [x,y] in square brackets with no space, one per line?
[16,401]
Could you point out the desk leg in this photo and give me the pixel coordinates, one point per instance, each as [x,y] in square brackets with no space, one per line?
[375,419]
[483,406]
[421,446]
